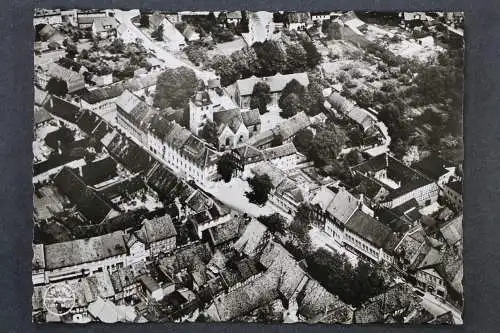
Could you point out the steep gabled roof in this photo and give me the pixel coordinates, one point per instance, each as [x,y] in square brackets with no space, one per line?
[251,238]
[88,201]
[369,228]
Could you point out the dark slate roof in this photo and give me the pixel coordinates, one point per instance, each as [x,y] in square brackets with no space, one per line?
[455,186]
[61,108]
[432,166]
[157,229]
[369,228]
[230,118]
[129,154]
[196,255]
[225,232]
[443,319]
[372,165]
[98,171]
[89,202]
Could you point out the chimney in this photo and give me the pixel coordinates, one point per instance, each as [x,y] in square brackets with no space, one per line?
[51,102]
[361,199]
[386,160]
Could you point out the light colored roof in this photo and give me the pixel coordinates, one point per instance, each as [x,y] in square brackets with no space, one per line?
[38,260]
[40,96]
[280,151]
[127,101]
[293,125]
[323,198]
[276,175]
[105,23]
[276,82]
[343,205]
[170,32]
[79,251]
[253,235]
[103,310]
[41,115]
[452,231]
[60,72]
[157,229]
[251,117]
[234,15]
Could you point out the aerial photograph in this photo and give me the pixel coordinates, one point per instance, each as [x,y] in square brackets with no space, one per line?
[255,167]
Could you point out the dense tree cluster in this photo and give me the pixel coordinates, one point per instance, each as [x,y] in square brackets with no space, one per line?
[174,87]
[261,186]
[261,96]
[225,167]
[326,145]
[274,222]
[57,87]
[209,133]
[266,59]
[353,285]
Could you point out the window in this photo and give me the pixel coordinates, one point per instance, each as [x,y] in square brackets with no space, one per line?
[228,141]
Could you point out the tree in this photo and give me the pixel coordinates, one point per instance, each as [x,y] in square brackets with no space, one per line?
[209,133]
[117,46]
[174,87]
[364,98]
[290,105]
[158,33]
[272,59]
[225,167]
[300,224]
[296,58]
[245,62]
[303,140]
[144,21]
[332,29]
[225,68]
[261,186]
[71,51]
[277,140]
[326,145]
[274,222]
[196,53]
[313,56]
[261,96]
[353,157]
[293,86]
[57,87]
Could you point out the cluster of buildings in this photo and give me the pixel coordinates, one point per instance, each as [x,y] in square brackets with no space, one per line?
[123,219]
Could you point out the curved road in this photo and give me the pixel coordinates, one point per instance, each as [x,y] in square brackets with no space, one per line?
[125,18]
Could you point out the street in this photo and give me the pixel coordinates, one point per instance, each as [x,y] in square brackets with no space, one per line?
[125,18]
[438,307]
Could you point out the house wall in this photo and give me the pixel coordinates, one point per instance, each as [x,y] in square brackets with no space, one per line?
[101,108]
[130,128]
[454,198]
[287,162]
[137,253]
[179,164]
[163,246]
[422,194]
[198,116]
[49,19]
[431,283]
[111,264]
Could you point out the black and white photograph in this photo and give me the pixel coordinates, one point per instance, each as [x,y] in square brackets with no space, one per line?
[248,166]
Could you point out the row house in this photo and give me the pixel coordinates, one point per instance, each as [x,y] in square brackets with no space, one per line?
[402,182]
[244,87]
[182,152]
[74,80]
[108,252]
[349,222]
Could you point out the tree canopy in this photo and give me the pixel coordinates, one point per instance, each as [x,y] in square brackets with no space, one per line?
[209,133]
[326,145]
[274,222]
[261,186]
[225,167]
[57,87]
[261,96]
[353,285]
[174,87]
